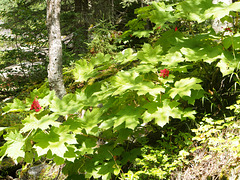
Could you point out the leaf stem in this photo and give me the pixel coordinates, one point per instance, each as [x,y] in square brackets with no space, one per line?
[29,133]
[191,30]
[122,173]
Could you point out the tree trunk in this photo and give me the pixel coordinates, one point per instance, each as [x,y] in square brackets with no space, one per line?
[219,26]
[55,76]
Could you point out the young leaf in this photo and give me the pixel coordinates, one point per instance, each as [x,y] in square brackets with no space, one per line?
[149,55]
[31,122]
[126,56]
[99,59]
[62,106]
[86,144]
[130,116]
[57,147]
[194,10]
[90,120]
[143,33]
[161,113]
[184,86]
[83,70]
[16,106]
[162,14]
[228,63]
[14,146]
[195,94]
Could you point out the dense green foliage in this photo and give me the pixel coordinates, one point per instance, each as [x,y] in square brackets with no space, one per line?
[130,113]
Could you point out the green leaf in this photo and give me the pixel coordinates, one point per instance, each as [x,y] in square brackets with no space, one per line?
[46,100]
[194,49]
[195,10]
[70,154]
[161,113]
[57,147]
[16,106]
[195,94]
[14,146]
[123,134]
[168,39]
[29,156]
[62,107]
[41,92]
[29,153]
[233,41]
[201,10]
[126,56]
[227,42]
[99,59]
[58,160]
[220,10]
[189,113]
[130,156]
[90,121]
[149,55]
[172,59]
[144,68]
[131,80]
[86,144]
[42,138]
[143,33]
[83,71]
[2,129]
[107,123]
[184,87]
[31,122]
[129,116]
[207,53]
[103,171]
[228,63]
[162,14]
[124,80]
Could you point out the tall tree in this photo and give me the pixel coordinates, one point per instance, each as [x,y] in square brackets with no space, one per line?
[55,76]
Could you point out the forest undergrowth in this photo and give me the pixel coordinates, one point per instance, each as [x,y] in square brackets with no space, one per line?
[157,99]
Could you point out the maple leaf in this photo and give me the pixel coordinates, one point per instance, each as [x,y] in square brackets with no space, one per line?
[14,146]
[61,106]
[161,114]
[83,71]
[57,146]
[31,122]
[16,106]
[149,54]
[184,87]
[129,116]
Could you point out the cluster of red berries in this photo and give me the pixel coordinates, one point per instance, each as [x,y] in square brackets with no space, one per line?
[35,105]
[164,73]
[228,29]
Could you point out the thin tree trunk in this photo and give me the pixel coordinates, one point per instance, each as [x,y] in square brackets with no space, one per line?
[55,76]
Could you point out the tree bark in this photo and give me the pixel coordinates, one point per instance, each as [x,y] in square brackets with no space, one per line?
[55,76]
[217,25]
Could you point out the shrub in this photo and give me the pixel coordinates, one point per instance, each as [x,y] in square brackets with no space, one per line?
[123,96]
